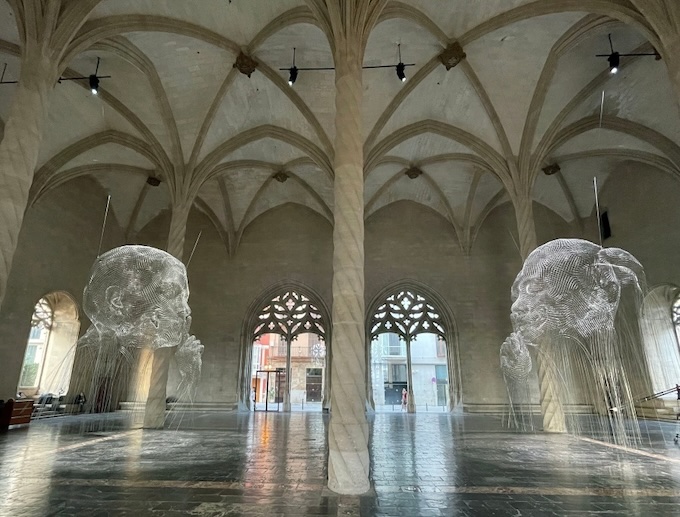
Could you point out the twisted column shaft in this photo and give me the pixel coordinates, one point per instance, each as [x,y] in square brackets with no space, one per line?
[348,461]
[526,227]
[154,410]
[551,408]
[19,151]
[178,229]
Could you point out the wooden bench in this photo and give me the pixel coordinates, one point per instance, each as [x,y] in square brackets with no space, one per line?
[21,413]
[15,412]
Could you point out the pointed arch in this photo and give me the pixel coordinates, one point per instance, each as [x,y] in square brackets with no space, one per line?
[50,348]
[316,311]
[660,322]
[439,321]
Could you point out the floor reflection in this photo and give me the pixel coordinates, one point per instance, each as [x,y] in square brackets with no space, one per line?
[275,464]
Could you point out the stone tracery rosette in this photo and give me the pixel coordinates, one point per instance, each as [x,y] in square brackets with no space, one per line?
[406,314]
[290,315]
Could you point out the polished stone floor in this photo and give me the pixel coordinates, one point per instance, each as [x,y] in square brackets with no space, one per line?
[269,464]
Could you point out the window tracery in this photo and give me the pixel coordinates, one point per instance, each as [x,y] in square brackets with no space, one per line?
[406,314]
[290,315]
[43,315]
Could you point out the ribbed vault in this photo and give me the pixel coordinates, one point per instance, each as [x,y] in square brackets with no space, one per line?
[459,141]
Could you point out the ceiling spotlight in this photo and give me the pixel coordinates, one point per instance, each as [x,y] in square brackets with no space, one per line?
[92,80]
[614,62]
[293,71]
[293,75]
[401,72]
[94,84]
[401,67]
[614,58]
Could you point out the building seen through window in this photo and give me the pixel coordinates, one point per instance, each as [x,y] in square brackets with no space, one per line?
[288,365]
[50,350]
[408,352]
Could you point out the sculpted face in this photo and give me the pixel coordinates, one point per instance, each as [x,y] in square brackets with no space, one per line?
[140,294]
[565,287]
[167,319]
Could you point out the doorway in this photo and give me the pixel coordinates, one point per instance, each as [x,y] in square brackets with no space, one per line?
[269,389]
[410,364]
[287,354]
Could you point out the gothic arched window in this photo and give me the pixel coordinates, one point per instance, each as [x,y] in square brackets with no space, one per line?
[289,353]
[289,315]
[406,314]
[408,353]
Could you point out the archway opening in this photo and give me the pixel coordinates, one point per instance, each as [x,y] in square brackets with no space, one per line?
[410,365]
[50,350]
[288,359]
[270,374]
[660,319]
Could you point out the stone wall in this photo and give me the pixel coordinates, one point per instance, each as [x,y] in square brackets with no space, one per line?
[57,246]
[642,205]
[287,243]
[404,241]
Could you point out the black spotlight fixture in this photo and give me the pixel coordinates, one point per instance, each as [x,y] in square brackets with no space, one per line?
[401,67]
[293,76]
[614,58]
[293,72]
[92,80]
[94,84]
[614,62]
[401,72]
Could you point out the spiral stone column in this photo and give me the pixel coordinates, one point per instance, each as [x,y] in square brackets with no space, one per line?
[19,151]
[46,29]
[154,410]
[348,461]
[526,227]
[551,408]
[178,229]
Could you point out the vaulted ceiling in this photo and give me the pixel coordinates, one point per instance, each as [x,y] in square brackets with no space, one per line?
[530,88]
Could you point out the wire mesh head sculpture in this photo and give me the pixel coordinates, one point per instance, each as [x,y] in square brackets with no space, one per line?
[137,297]
[572,287]
[566,306]
[141,294]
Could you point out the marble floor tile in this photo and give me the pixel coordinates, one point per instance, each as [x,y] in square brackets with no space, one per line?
[257,464]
